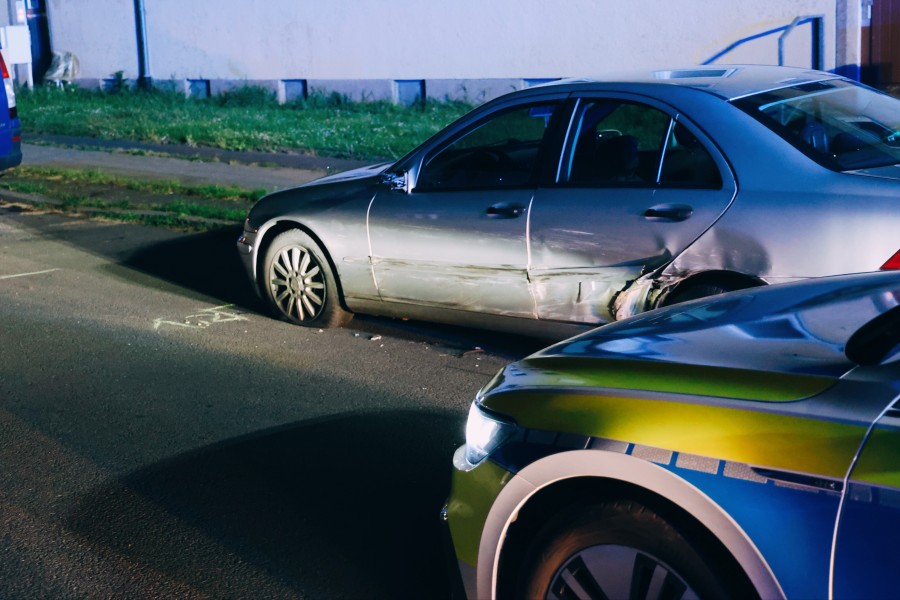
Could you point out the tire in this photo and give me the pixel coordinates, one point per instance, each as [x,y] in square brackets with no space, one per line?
[300,284]
[694,292]
[623,549]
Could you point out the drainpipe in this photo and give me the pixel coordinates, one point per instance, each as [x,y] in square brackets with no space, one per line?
[140,21]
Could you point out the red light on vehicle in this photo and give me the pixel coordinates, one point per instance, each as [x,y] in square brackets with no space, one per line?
[893,263]
[10,89]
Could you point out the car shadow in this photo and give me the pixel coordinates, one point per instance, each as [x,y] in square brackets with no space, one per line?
[206,263]
[342,507]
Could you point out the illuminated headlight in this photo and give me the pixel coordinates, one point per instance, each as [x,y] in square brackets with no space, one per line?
[484,433]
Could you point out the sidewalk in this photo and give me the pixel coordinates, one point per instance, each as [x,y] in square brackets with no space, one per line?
[189,165]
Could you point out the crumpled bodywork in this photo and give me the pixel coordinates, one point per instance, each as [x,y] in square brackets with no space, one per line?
[579,295]
[548,234]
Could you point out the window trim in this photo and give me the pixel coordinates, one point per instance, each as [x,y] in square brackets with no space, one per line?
[726,173]
[549,143]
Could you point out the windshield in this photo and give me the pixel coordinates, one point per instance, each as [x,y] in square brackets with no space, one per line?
[839,124]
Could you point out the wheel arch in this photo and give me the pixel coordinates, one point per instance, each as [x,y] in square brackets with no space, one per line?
[568,478]
[732,280]
[270,231]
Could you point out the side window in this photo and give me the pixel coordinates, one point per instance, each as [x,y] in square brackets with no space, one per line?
[687,163]
[502,152]
[617,143]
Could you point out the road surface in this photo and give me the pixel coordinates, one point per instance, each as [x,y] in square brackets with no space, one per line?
[160,437]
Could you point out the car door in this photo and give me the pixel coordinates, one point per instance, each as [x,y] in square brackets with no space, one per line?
[457,238]
[637,184]
[867,543]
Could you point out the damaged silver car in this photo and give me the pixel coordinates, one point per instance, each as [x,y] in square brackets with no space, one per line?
[580,202]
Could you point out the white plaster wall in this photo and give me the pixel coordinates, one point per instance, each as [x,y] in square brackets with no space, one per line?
[849,42]
[101,33]
[413,39]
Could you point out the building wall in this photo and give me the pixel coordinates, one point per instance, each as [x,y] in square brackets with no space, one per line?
[101,33]
[463,47]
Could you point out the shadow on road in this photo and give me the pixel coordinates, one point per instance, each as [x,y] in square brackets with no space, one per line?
[345,507]
[207,263]
[203,263]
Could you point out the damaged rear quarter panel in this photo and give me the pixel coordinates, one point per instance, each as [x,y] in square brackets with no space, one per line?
[829,224]
[589,244]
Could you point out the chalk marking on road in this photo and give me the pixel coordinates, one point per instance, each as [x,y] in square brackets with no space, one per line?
[203,318]
[28,274]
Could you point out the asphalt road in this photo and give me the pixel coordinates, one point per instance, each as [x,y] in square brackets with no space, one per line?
[160,437]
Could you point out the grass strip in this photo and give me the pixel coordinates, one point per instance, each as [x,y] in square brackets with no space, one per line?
[160,203]
[244,119]
[39,176]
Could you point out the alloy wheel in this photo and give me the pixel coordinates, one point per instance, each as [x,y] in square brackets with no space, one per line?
[297,283]
[613,571]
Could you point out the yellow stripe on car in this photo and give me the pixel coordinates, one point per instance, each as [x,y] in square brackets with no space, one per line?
[752,437]
[473,494]
[879,463]
[740,384]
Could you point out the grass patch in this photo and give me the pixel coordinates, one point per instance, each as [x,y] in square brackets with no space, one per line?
[41,176]
[204,211]
[161,203]
[168,221]
[24,187]
[244,119]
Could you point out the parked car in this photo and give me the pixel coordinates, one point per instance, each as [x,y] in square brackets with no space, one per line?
[10,132]
[581,202]
[746,445]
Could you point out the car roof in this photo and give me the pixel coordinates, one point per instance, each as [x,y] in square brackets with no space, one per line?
[727,81]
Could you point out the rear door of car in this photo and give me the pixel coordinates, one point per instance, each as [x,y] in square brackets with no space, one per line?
[867,543]
[458,239]
[637,183]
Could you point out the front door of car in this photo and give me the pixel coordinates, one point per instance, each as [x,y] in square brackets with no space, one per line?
[637,184]
[868,536]
[457,239]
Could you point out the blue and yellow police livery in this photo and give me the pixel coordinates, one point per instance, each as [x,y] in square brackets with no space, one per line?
[746,445]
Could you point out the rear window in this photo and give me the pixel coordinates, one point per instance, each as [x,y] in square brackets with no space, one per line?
[839,124]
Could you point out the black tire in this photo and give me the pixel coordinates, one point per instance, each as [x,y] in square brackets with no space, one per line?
[694,292]
[623,549]
[299,283]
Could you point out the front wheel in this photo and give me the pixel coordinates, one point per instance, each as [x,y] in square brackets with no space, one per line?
[622,550]
[299,282]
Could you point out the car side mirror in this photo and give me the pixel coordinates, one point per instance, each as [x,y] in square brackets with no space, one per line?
[396,182]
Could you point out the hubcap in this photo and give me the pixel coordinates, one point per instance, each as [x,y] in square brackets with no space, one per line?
[609,571]
[297,283]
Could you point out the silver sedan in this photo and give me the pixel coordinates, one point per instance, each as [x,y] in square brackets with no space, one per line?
[576,203]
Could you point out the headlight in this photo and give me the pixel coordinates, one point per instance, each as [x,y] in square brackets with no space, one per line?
[484,433]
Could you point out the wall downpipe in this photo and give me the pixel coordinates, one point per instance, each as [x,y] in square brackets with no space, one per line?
[140,22]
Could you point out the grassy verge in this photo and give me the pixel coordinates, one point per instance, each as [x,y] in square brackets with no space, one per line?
[166,203]
[246,119]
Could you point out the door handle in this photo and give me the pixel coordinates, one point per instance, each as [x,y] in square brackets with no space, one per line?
[505,210]
[668,212]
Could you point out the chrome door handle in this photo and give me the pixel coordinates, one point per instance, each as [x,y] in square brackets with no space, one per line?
[668,212]
[505,210]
